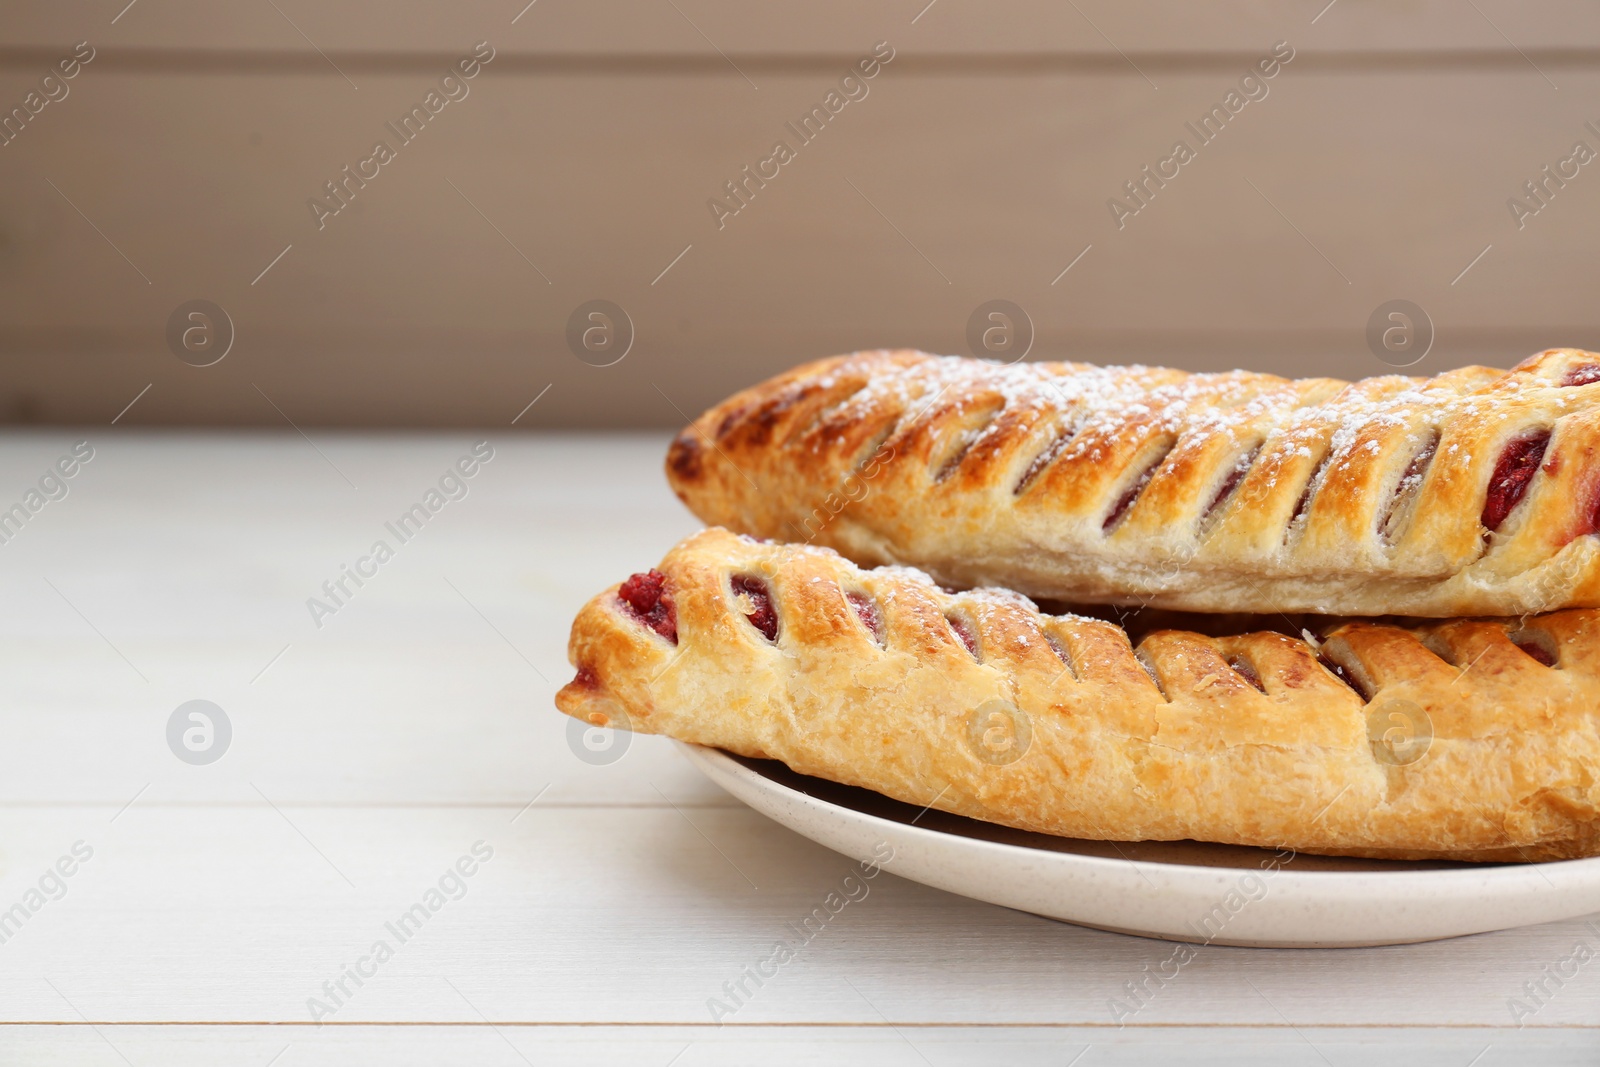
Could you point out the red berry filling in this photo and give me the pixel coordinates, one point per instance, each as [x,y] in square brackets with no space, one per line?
[1338,671]
[1587,374]
[754,592]
[1059,650]
[868,612]
[1132,494]
[963,630]
[1516,468]
[1230,483]
[1246,670]
[1538,652]
[645,594]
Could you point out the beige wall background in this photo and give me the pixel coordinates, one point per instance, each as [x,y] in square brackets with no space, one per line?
[579,165]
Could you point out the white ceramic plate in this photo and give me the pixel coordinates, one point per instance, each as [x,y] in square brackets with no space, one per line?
[1180,891]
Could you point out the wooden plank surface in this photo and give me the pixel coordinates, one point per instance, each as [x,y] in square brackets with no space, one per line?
[381,748]
[1378,167]
[791,27]
[592,915]
[901,1046]
[191,560]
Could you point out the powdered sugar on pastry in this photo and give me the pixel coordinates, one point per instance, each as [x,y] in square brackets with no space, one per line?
[1467,739]
[1137,484]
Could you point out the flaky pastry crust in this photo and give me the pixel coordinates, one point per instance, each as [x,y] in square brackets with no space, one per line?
[1466,739]
[1475,492]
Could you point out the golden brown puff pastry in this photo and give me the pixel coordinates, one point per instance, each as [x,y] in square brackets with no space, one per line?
[1466,739]
[1473,492]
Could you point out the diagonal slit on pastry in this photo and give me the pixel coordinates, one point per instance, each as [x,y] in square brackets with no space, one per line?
[1466,739]
[1476,492]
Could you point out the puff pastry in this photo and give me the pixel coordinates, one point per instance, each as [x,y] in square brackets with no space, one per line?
[1465,739]
[1473,492]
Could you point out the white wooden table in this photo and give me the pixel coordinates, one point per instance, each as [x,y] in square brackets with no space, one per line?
[368,755]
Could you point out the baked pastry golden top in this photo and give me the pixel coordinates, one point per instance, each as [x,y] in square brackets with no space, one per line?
[1473,492]
[1466,739]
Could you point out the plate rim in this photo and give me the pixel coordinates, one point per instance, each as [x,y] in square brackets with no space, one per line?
[1499,877]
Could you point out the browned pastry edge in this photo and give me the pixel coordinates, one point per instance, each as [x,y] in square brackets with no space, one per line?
[1470,739]
[1473,492]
